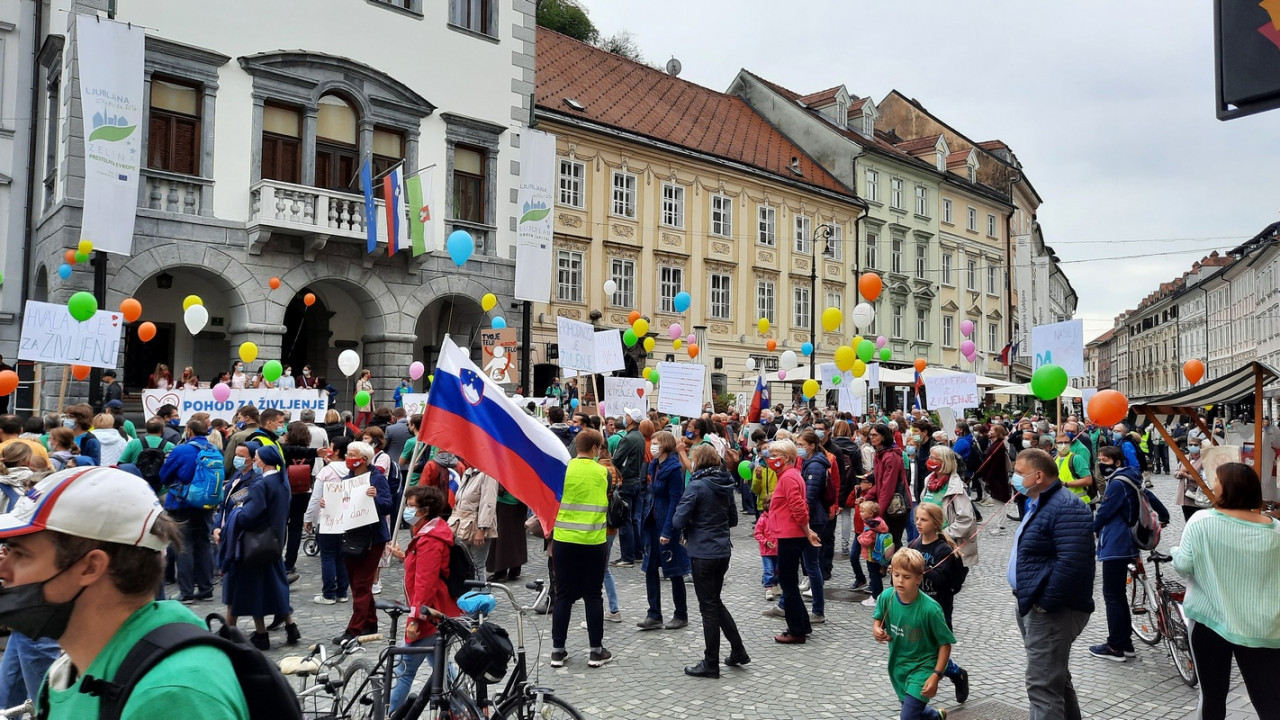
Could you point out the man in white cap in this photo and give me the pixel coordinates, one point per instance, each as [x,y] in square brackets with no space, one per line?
[82,559]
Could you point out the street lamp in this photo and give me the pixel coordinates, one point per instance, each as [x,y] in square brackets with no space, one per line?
[825,231]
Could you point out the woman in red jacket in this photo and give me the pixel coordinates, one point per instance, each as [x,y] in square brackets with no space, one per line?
[789,513]
[426,567]
[889,475]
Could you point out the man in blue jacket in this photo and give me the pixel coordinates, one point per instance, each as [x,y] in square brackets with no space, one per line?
[195,557]
[1051,571]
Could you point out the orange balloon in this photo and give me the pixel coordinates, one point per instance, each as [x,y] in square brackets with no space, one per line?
[131,309]
[921,364]
[693,350]
[274,283]
[146,331]
[1107,408]
[870,286]
[1193,370]
[70,257]
[633,317]
[80,372]
[8,381]
[309,299]
[771,344]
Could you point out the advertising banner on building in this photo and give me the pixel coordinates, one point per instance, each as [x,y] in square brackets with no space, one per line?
[536,204]
[111,101]
[190,402]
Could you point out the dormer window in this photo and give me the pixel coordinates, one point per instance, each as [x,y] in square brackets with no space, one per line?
[972,172]
[842,112]
[941,161]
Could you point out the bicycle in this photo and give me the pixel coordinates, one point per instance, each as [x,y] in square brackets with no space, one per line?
[26,709]
[324,695]
[1156,613]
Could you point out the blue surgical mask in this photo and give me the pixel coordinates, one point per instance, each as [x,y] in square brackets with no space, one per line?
[911,452]
[411,515]
[1018,483]
[280,432]
[175,422]
[802,454]
[68,423]
[689,434]
[820,433]
[239,462]
[240,425]
[1071,435]
[1194,450]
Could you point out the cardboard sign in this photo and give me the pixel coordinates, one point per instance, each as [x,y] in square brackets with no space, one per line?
[1059,344]
[680,388]
[50,334]
[190,402]
[952,391]
[828,372]
[1087,395]
[623,393]
[577,341]
[347,505]
[608,351]
[850,401]
[499,347]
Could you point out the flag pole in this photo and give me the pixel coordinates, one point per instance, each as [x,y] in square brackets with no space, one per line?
[413,463]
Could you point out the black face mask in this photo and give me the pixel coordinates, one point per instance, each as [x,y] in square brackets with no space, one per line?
[25,609]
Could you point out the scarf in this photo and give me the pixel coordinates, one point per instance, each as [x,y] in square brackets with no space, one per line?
[936,482]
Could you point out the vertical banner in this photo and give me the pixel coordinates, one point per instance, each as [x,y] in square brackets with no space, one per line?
[535,203]
[111,101]
[1022,284]
[422,232]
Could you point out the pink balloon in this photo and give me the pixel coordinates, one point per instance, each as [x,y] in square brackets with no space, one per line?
[221,392]
[416,369]
[675,330]
[782,374]
[971,357]
[967,347]
[692,338]
[881,342]
[966,328]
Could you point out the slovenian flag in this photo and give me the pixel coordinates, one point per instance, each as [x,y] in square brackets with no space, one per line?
[919,387]
[759,401]
[393,197]
[370,208]
[468,414]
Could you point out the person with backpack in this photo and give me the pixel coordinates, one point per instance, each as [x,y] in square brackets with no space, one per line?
[195,465]
[147,453]
[87,543]
[1118,518]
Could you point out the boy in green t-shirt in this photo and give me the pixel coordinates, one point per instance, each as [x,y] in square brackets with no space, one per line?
[919,640]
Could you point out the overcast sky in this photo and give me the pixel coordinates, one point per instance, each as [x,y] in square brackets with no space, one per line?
[1109,106]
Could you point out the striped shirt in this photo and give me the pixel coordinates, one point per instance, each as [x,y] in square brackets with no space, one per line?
[1231,566]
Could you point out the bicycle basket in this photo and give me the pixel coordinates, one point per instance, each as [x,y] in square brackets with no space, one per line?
[485,654]
[1177,591]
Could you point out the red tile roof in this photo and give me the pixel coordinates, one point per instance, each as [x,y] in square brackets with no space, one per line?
[856,105]
[993,145]
[636,98]
[959,157]
[821,98]
[915,145]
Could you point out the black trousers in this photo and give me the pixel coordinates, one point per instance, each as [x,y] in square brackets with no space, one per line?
[297,508]
[579,575]
[1212,654]
[827,553]
[789,552]
[708,581]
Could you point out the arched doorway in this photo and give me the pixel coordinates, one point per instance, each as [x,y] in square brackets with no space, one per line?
[161,295]
[317,334]
[458,316]
[40,288]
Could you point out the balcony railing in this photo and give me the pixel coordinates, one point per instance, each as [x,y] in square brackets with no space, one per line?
[175,193]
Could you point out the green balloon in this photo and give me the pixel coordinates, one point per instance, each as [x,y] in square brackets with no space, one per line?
[885,355]
[835,380]
[82,305]
[866,350]
[744,470]
[272,371]
[629,338]
[363,399]
[653,377]
[82,256]
[1048,381]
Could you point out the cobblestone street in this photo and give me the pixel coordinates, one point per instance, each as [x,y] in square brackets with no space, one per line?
[839,673]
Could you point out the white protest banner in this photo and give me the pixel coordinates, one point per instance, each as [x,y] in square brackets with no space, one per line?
[190,402]
[347,505]
[1059,344]
[850,401]
[1087,395]
[537,205]
[680,388]
[608,352]
[413,403]
[957,391]
[50,334]
[829,373]
[623,393]
[577,342]
[111,85]
[873,376]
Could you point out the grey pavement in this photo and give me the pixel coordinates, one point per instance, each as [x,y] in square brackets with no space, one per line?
[839,673]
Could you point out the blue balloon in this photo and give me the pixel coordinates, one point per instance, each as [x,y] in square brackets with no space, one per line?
[499,322]
[682,301]
[574,403]
[64,271]
[460,246]
[807,349]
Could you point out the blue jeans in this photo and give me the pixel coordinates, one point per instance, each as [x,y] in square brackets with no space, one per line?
[23,667]
[809,560]
[11,496]
[333,572]
[195,559]
[770,577]
[610,587]
[912,532]
[407,668]
[875,583]
[629,533]
[913,708]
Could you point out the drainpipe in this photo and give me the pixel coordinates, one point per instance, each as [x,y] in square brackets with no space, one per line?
[1008,270]
[37,29]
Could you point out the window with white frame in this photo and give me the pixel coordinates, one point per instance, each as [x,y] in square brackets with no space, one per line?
[993,336]
[993,279]
[572,175]
[991,225]
[624,194]
[922,324]
[800,314]
[804,238]
[922,200]
[721,215]
[973,219]
[873,250]
[670,283]
[673,205]
[767,225]
[872,186]
[721,296]
[623,273]
[895,193]
[922,261]
[835,300]
[895,260]
[569,276]
[947,260]
[972,275]
[898,310]
[835,243]
[765,297]
[948,330]
[946,211]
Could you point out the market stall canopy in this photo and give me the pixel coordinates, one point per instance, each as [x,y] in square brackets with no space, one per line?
[1237,386]
[1025,389]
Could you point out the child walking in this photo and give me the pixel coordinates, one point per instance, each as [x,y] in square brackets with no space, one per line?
[944,573]
[877,548]
[768,551]
[919,640]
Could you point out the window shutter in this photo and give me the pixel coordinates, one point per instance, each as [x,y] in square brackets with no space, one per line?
[289,160]
[186,144]
[270,152]
[158,142]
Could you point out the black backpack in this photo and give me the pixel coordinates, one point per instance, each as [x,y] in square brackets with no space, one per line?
[266,691]
[149,462]
[461,569]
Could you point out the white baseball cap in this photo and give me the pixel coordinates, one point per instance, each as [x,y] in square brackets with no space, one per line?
[99,503]
[636,414]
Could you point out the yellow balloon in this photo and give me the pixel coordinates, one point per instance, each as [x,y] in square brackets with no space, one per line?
[831,318]
[857,340]
[763,324]
[810,388]
[675,344]
[86,246]
[248,351]
[859,368]
[648,344]
[646,373]
[845,356]
[488,301]
[641,326]
[191,300]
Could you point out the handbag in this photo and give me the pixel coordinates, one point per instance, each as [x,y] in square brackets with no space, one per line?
[898,504]
[533,526]
[357,541]
[299,474]
[260,548]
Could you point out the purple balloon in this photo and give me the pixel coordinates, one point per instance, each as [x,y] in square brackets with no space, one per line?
[221,392]
[967,347]
[966,328]
[881,342]
[416,369]
[675,330]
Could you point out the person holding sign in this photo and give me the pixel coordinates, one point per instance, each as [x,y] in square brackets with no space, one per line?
[362,545]
[333,572]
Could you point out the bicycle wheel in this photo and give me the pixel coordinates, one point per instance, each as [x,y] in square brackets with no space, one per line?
[1143,614]
[361,697]
[532,706]
[1179,643]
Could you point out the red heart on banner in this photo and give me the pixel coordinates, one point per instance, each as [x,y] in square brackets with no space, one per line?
[640,392]
[152,403]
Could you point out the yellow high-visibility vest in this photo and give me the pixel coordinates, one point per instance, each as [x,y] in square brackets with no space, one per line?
[584,504]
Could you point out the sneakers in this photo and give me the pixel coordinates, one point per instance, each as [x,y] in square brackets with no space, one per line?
[860,586]
[1130,653]
[599,658]
[804,583]
[774,611]
[620,563]
[615,617]
[816,619]
[771,593]
[1106,652]
[322,600]
[377,589]
[344,598]
[808,592]
[962,685]
[869,602]
[558,657]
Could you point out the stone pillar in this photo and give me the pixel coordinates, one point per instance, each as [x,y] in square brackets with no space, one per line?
[267,336]
[387,356]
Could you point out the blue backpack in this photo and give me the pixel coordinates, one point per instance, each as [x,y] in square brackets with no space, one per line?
[207,488]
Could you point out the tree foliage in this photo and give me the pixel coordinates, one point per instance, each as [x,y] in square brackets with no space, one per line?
[622,43]
[567,17]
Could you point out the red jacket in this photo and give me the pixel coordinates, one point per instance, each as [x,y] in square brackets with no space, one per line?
[888,471]
[789,510]
[426,565]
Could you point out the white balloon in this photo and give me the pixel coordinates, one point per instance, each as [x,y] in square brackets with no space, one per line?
[648,386]
[518,398]
[863,315]
[196,317]
[610,287]
[787,360]
[751,364]
[348,362]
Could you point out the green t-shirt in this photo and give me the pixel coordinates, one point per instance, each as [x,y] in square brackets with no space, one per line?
[916,631]
[130,430]
[613,441]
[134,447]
[198,683]
[406,455]
[937,497]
